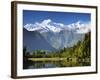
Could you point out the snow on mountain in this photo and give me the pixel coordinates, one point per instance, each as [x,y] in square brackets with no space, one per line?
[44,26]
[84,28]
[33,27]
[49,25]
[80,27]
[59,35]
[33,41]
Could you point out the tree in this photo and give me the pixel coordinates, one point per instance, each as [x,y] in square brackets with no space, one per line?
[24,51]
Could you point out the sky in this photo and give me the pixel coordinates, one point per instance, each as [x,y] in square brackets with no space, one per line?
[31,17]
[44,22]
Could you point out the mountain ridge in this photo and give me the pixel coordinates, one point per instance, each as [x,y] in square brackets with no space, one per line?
[34,41]
[54,35]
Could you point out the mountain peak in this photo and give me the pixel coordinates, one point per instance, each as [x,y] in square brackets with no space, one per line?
[48,25]
[59,35]
[44,26]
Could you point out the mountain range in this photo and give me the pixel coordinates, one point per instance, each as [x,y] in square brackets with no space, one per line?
[52,36]
[35,41]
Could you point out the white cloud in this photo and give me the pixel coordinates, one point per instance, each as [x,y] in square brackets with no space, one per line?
[48,25]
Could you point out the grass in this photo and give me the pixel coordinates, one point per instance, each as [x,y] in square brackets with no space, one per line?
[47,59]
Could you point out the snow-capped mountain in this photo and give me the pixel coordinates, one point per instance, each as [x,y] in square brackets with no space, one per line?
[43,26]
[59,35]
[33,41]
[48,25]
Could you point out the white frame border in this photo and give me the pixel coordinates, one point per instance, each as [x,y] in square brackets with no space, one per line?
[33,72]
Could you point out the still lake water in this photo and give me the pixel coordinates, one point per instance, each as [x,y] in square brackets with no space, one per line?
[54,64]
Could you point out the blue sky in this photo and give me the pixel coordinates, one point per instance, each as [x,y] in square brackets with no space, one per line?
[30,17]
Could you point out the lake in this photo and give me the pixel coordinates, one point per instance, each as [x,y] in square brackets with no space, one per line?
[55,63]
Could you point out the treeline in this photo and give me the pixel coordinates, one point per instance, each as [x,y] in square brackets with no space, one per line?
[80,50]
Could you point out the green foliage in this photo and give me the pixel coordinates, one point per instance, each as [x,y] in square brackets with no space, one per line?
[80,50]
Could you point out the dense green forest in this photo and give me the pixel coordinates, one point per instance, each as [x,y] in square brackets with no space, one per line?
[81,52]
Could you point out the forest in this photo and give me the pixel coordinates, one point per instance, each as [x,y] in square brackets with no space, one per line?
[79,53]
